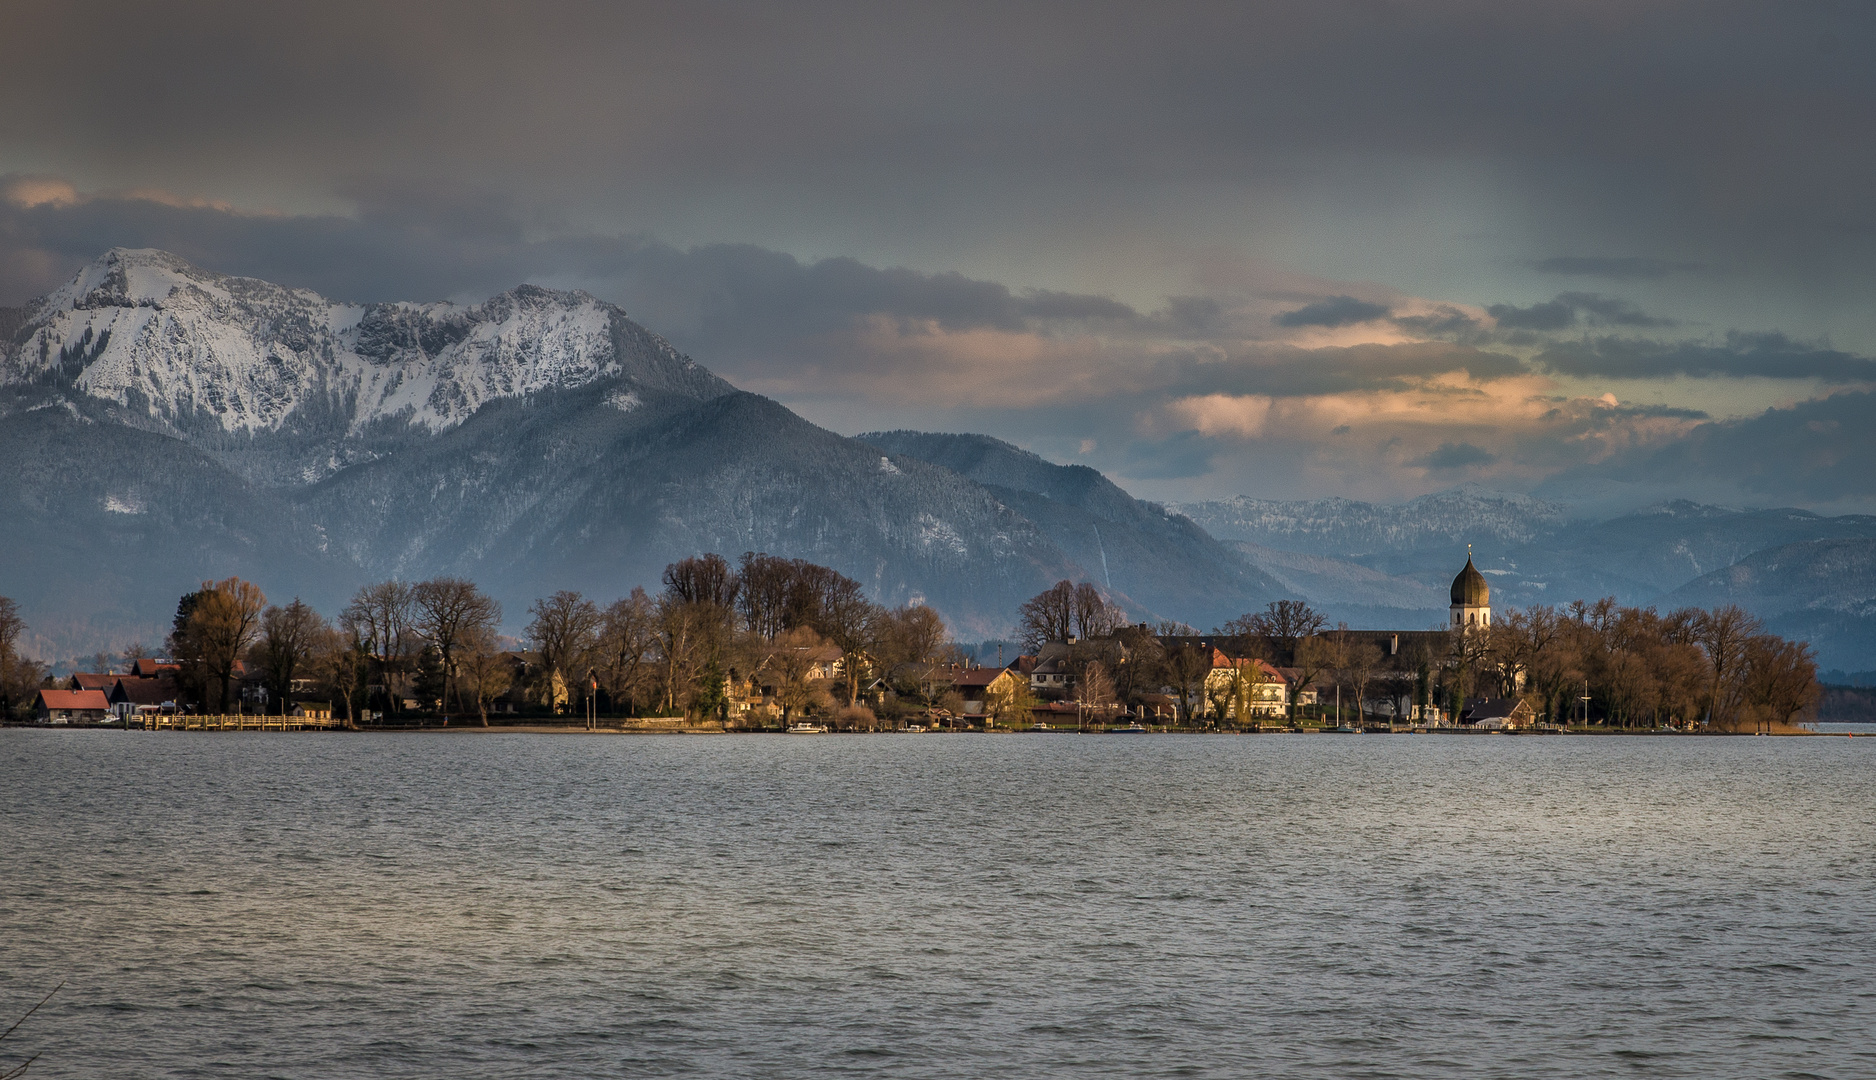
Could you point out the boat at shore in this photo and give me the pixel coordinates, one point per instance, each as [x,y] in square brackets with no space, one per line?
[1125,728]
[807,729]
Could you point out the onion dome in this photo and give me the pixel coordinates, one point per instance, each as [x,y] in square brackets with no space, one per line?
[1470,588]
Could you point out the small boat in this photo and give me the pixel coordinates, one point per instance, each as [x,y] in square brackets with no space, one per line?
[1125,727]
[1344,729]
[807,729]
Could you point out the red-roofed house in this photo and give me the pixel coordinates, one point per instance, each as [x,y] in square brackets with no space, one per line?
[149,668]
[1265,689]
[85,680]
[71,707]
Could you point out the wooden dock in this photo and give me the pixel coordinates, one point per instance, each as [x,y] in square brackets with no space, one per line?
[237,723]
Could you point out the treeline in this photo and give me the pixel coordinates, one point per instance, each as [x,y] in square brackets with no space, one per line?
[806,638]
[805,633]
[1719,667]
[1595,662]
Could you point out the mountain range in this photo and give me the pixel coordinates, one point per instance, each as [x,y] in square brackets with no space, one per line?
[1806,575]
[163,424]
[167,425]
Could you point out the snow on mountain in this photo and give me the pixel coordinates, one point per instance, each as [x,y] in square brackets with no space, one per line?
[170,424]
[198,352]
[1344,527]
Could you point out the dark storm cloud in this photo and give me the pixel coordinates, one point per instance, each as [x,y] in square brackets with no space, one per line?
[1720,133]
[1335,311]
[1445,323]
[1180,456]
[1621,268]
[1813,453]
[438,243]
[1551,315]
[1452,457]
[1564,312]
[1741,355]
[752,313]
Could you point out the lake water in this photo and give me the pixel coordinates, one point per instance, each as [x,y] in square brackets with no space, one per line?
[304,905]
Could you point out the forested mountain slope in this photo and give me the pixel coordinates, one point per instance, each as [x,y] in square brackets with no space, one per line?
[1160,560]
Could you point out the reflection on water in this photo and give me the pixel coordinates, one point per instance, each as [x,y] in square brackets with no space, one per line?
[938,906]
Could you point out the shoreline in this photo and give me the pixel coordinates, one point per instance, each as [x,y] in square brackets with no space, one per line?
[629,728]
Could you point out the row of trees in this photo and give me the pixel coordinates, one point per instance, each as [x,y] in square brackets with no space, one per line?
[434,640]
[768,620]
[1717,667]
[779,622]
[1599,661]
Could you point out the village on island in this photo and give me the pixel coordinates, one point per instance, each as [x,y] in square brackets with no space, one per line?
[786,645]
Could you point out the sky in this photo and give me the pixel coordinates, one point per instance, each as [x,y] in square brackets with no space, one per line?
[1604,252]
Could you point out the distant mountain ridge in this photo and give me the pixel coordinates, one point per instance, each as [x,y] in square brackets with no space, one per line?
[1823,591]
[1346,556]
[1345,527]
[164,424]
[171,424]
[1158,560]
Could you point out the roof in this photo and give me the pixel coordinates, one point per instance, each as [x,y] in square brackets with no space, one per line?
[1270,674]
[1470,589]
[148,667]
[978,676]
[88,680]
[73,699]
[1495,708]
[144,691]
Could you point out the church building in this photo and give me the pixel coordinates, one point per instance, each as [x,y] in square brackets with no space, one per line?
[1472,598]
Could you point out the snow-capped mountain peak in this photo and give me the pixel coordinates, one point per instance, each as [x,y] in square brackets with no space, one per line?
[195,350]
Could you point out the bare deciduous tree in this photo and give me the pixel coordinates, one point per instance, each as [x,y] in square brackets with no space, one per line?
[702,579]
[19,676]
[486,671]
[445,610]
[289,637]
[627,646]
[1094,616]
[563,633]
[1047,616]
[220,622]
[1279,627]
[1722,634]
[381,615]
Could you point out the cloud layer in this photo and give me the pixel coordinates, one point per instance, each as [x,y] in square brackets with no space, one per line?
[1273,248]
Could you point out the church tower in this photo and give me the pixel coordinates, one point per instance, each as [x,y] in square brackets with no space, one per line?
[1472,597]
